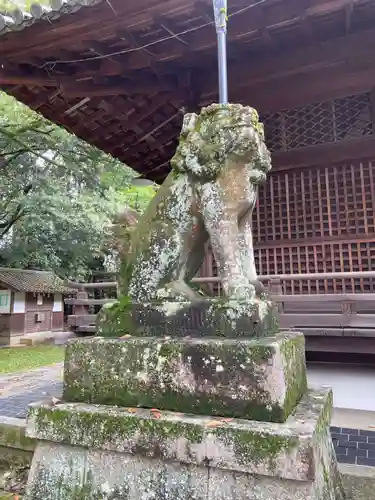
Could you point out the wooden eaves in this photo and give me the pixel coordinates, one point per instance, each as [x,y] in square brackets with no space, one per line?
[120,74]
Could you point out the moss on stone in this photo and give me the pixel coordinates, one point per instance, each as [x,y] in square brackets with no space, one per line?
[325,415]
[13,436]
[147,373]
[293,352]
[218,317]
[254,448]
[186,403]
[96,429]
[116,319]
[124,429]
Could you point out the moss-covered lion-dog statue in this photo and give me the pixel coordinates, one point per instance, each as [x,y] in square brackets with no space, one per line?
[209,194]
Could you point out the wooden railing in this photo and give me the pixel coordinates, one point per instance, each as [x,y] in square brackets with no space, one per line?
[330,315]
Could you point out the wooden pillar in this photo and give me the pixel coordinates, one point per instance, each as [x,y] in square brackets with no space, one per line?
[275,287]
[372,108]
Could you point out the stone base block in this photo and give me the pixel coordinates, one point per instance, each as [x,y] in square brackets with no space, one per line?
[208,317]
[260,379]
[95,452]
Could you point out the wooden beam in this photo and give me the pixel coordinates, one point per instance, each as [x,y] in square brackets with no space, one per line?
[323,154]
[72,91]
[315,241]
[18,78]
[307,276]
[303,60]
[88,302]
[106,90]
[303,301]
[90,286]
[77,87]
[73,88]
[287,93]
[338,344]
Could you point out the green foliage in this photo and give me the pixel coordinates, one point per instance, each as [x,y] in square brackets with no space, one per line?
[57,194]
[9,5]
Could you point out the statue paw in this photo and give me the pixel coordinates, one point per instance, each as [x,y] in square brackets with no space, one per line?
[259,287]
[178,291]
[243,292]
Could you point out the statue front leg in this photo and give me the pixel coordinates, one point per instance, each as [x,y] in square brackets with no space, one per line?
[222,226]
[245,242]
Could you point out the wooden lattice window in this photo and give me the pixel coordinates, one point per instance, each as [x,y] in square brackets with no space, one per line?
[320,258]
[323,220]
[319,123]
[315,221]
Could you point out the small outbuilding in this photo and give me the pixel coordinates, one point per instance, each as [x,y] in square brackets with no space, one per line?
[30,302]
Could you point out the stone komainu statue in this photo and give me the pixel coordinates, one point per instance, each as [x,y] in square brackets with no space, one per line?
[210,193]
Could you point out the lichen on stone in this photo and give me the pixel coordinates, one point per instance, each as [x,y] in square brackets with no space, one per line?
[167,436]
[227,377]
[257,448]
[213,317]
[294,361]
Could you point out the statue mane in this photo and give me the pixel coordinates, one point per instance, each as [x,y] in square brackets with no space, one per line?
[220,132]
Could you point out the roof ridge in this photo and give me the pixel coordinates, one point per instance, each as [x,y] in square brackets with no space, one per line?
[18,269]
[33,280]
[19,17]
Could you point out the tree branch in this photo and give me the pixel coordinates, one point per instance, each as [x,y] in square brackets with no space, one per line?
[6,227]
[4,162]
[31,151]
[17,214]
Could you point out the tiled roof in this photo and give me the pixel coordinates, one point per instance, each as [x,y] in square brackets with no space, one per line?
[32,281]
[19,19]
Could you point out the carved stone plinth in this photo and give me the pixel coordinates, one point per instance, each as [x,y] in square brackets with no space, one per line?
[95,452]
[115,438]
[220,317]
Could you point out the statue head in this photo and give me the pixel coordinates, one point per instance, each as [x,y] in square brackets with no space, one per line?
[218,134]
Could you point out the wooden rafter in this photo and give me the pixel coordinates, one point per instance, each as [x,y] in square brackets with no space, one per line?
[204,38]
[301,61]
[130,98]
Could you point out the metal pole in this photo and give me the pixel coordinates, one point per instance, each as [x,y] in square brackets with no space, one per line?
[220,11]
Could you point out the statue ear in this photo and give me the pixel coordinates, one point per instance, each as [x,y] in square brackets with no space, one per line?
[189,123]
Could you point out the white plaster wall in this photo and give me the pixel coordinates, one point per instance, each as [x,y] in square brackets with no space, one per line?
[19,304]
[57,302]
[353,385]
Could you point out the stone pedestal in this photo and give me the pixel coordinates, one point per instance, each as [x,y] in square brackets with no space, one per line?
[213,317]
[255,379]
[243,425]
